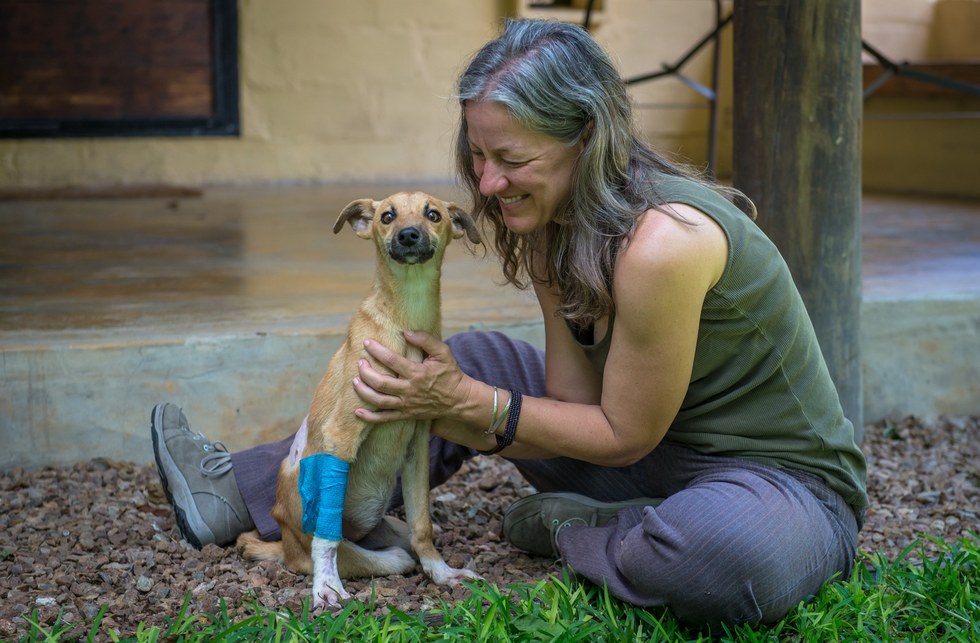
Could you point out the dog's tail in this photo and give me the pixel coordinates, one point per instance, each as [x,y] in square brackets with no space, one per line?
[255,548]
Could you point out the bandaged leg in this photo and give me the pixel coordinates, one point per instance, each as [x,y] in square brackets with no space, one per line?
[323,489]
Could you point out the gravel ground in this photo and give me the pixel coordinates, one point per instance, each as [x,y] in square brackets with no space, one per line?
[77,537]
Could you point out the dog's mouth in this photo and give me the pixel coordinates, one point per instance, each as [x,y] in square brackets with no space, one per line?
[411,255]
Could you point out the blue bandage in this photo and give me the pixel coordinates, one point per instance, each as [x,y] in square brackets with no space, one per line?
[323,488]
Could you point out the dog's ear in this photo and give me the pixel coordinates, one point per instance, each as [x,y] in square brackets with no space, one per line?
[360,215]
[463,223]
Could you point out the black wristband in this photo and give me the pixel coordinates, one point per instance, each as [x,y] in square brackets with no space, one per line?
[513,415]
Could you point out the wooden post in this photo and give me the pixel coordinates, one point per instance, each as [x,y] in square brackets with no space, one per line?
[797,154]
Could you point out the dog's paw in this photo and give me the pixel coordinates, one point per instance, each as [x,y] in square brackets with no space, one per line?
[329,597]
[443,574]
[459,575]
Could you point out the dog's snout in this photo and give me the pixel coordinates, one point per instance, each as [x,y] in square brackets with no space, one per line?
[411,245]
[408,237]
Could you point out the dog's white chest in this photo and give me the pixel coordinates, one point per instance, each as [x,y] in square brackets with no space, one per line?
[299,444]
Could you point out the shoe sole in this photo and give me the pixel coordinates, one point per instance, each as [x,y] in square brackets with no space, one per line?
[179,494]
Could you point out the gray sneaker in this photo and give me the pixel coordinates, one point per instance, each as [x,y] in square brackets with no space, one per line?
[533,522]
[197,477]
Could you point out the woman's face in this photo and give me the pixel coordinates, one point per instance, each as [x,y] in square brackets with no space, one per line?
[530,174]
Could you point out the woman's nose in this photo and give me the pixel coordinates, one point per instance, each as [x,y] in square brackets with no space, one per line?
[492,181]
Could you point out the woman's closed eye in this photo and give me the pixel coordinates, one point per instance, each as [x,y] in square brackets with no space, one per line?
[513,162]
[509,162]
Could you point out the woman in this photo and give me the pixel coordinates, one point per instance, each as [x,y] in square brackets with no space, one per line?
[679,361]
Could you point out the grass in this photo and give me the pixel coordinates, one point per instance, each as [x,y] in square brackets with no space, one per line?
[896,600]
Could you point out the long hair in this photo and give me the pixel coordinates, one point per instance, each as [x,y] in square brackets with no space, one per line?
[556,80]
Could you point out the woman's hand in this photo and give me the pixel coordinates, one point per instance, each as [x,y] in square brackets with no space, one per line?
[417,390]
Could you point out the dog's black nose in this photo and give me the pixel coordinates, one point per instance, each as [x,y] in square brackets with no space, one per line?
[408,237]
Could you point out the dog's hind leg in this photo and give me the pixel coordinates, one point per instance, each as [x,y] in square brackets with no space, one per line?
[355,561]
[254,548]
[387,549]
[390,532]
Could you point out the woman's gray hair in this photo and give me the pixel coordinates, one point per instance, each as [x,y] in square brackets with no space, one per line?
[556,80]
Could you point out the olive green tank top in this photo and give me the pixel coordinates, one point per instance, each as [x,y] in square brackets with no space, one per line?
[760,388]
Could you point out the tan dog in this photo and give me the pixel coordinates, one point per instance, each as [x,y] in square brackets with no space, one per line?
[410,232]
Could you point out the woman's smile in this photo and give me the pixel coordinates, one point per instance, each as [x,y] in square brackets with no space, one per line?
[510,200]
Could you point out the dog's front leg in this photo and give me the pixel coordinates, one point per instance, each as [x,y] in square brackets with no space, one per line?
[415,491]
[328,589]
[322,488]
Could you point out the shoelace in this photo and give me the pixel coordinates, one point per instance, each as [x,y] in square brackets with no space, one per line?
[217,461]
[558,526]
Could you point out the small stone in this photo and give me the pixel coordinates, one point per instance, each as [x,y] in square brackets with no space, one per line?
[929,497]
[144,584]
[7,628]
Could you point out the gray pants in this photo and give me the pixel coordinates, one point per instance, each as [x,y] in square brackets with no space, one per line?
[734,542]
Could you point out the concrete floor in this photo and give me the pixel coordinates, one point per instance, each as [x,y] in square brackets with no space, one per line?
[231,302]
[922,248]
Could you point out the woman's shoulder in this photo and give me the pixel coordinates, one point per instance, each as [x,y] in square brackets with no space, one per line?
[675,239]
[676,230]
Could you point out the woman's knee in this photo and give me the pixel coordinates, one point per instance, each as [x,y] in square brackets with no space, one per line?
[727,571]
[704,580]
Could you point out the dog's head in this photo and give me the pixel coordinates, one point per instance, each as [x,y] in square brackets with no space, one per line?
[410,227]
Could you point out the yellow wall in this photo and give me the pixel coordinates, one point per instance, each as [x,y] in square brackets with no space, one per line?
[919,144]
[330,91]
[335,92]
[344,91]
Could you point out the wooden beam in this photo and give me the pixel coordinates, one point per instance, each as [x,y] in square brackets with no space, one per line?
[898,86]
[797,144]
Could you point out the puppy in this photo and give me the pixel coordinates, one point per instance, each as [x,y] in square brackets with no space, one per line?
[410,232]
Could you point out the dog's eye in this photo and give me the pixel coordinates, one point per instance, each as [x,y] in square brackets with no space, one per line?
[433,216]
[387,217]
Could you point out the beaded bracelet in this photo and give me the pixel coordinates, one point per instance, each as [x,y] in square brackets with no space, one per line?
[513,415]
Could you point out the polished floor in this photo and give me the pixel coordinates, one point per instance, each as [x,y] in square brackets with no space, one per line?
[260,260]
[926,248]
[226,261]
